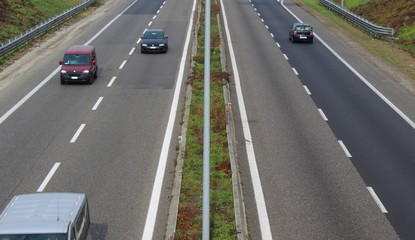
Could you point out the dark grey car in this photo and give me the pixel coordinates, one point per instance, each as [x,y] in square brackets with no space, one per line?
[301,32]
[154,40]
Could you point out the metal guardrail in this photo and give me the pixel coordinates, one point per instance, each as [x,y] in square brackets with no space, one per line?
[364,23]
[39,29]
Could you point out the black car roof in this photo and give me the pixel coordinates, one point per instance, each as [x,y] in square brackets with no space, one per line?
[302,24]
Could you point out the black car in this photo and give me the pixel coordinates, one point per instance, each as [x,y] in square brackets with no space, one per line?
[154,40]
[301,32]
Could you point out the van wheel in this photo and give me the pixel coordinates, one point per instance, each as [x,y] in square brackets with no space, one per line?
[62,82]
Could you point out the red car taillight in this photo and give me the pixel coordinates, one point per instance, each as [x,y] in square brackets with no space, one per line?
[295,32]
[311,33]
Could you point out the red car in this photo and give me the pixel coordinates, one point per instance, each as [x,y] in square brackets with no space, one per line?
[79,65]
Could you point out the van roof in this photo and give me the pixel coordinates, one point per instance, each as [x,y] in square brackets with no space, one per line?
[40,213]
[79,49]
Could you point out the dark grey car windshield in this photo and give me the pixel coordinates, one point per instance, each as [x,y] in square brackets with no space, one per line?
[60,236]
[75,59]
[153,35]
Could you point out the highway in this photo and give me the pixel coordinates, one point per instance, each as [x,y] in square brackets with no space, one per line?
[103,139]
[313,137]
[325,156]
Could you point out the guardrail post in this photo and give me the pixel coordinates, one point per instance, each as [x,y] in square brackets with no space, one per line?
[206,129]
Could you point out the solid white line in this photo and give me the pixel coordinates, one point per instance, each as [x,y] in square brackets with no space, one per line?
[285,56]
[323,115]
[307,90]
[95,107]
[158,181]
[364,80]
[123,64]
[295,71]
[131,52]
[48,177]
[30,94]
[109,24]
[377,200]
[78,132]
[272,35]
[111,82]
[345,149]
[256,180]
[50,76]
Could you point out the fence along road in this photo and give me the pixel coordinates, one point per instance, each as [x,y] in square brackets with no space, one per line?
[41,28]
[360,21]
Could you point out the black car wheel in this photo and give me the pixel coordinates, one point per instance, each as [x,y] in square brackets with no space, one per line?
[91,80]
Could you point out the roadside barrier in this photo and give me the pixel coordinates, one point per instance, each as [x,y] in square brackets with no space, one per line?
[41,28]
[360,21]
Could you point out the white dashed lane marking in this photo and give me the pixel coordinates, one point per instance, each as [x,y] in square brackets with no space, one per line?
[95,107]
[78,132]
[48,177]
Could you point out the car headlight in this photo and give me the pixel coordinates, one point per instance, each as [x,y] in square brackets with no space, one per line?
[161,44]
[144,44]
[63,71]
[86,71]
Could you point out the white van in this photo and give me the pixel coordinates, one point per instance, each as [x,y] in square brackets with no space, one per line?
[45,216]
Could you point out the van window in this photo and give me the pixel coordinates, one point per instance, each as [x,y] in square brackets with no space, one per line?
[33,237]
[80,220]
[76,59]
[73,237]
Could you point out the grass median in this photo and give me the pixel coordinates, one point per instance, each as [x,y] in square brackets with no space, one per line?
[222,217]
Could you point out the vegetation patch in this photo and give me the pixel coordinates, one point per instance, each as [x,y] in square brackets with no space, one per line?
[16,16]
[222,220]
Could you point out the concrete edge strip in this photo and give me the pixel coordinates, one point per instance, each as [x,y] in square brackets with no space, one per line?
[238,199]
[176,188]
[264,224]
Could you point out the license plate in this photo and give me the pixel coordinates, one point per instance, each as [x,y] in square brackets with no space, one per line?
[302,37]
[74,77]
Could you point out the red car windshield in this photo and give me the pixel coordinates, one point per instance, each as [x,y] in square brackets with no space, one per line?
[76,59]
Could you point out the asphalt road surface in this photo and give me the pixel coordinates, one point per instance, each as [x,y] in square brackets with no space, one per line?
[323,141]
[102,139]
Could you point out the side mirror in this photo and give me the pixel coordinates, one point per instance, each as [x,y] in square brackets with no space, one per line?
[60,62]
[94,62]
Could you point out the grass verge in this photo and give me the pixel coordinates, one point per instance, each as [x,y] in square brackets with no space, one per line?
[17,53]
[222,217]
[19,15]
